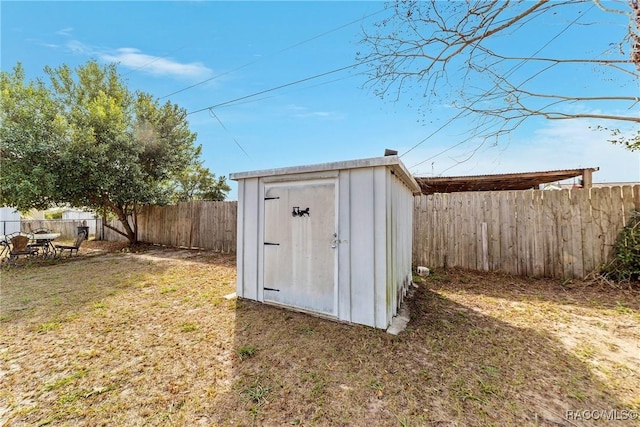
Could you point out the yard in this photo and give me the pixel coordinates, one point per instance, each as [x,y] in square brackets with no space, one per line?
[153,338]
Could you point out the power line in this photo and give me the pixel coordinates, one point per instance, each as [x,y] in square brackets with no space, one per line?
[293,83]
[214,115]
[225,128]
[303,88]
[275,53]
[451,120]
[211,107]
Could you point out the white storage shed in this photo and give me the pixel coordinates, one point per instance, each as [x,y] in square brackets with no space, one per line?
[332,239]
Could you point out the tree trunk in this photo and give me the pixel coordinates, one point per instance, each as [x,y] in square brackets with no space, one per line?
[135,221]
[129,232]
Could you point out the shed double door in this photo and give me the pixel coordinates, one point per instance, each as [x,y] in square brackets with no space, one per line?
[300,254]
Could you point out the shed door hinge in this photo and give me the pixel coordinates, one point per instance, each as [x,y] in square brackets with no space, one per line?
[271,198]
[271,289]
[272,244]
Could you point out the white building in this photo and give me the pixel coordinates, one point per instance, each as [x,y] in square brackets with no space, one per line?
[333,239]
[78,214]
[9,220]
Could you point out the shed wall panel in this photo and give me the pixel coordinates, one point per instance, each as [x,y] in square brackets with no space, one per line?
[382,223]
[362,245]
[400,219]
[259,241]
[344,246]
[240,234]
[408,237]
[250,213]
[391,233]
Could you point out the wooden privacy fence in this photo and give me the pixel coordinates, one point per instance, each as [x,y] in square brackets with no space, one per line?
[565,233]
[207,225]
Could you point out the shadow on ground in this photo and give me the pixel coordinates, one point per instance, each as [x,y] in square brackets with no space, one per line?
[569,292]
[452,366]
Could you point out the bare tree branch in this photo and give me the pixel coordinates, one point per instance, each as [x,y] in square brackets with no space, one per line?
[455,53]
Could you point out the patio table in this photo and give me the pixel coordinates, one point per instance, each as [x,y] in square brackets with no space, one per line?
[45,241]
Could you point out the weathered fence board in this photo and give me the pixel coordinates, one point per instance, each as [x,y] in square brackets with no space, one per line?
[207,225]
[567,233]
[538,234]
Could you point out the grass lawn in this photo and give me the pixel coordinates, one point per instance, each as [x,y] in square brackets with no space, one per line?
[148,338]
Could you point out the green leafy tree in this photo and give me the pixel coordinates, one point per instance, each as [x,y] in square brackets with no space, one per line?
[86,140]
[31,132]
[198,183]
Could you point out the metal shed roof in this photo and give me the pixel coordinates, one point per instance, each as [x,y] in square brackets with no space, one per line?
[393,162]
[510,181]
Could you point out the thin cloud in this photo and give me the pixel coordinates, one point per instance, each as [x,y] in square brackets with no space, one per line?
[322,114]
[138,61]
[573,144]
[78,47]
[133,58]
[65,31]
[303,112]
[567,144]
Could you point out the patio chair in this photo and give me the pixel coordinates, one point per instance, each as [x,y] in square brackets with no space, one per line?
[81,237]
[4,248]
[20,247]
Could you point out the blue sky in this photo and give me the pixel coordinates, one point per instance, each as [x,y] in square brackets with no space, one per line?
[204,53]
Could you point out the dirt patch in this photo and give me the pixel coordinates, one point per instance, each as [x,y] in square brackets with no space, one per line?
[148,338]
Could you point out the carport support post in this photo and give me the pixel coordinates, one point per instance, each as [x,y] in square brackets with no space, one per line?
[587,178]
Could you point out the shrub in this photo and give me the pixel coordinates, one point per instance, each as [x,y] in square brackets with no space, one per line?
[626,262]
